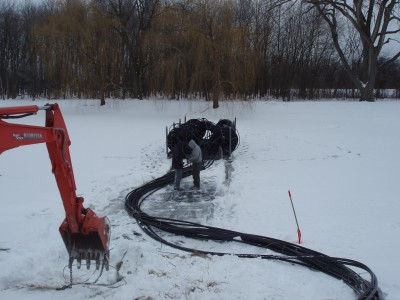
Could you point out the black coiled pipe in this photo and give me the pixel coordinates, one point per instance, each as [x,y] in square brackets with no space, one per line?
[212,138]
[336,267]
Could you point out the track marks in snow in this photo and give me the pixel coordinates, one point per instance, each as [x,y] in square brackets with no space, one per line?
[153,159]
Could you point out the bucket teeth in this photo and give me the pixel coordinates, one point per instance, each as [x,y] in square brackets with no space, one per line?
[100,257]
[88,263]
[79,261]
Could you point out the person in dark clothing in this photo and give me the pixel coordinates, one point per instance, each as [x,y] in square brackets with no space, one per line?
[179,152]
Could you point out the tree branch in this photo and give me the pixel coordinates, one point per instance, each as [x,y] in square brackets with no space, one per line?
[395,57]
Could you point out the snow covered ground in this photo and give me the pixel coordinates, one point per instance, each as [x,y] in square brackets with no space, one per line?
[339,159]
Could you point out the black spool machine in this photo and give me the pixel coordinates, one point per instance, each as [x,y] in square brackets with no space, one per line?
[216,141]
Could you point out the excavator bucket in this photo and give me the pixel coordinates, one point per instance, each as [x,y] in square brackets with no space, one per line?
[91,244]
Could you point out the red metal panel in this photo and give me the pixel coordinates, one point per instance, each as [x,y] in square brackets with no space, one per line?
[15,110]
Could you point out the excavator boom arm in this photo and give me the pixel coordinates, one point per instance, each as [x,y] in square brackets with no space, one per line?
[86,236]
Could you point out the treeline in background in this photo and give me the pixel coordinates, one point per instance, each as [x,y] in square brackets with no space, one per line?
[175,49]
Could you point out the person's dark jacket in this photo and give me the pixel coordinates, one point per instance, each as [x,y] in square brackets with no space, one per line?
[178,154]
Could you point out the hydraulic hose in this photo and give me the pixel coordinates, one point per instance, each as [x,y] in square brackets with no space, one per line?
[335,267]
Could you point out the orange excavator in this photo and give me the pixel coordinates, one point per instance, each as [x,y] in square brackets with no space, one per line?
[86,236]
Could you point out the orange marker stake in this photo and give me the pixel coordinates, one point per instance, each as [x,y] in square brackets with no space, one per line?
[294,212]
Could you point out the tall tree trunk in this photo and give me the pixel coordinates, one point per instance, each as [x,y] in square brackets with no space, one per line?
[367,94]
[215,96]
[368,74]
[137,77]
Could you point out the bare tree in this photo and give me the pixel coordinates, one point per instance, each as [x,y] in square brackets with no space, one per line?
[10,49]
[202,48]
[131,19]
[73,45]
[375,21]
